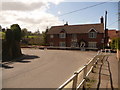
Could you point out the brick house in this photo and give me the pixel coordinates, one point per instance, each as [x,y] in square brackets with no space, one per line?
[113,34]
[85,36]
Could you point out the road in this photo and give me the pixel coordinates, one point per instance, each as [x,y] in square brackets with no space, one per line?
[44,68]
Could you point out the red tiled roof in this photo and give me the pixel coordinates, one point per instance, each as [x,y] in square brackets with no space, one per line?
[77,28]
[118,33]
[113,33]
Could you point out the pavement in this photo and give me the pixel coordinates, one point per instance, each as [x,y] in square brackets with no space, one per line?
[44,68]
[108,77]
[114,69]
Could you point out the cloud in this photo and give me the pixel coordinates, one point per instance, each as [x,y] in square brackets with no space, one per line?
[59,12]
[32,15]
[34,1]
[19,6]
[32,23]
[43,19]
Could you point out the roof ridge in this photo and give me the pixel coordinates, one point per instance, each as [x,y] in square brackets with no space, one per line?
[78,25]
[112,30]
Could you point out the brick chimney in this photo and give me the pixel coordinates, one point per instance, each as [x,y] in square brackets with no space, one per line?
[66,24]
[101,19]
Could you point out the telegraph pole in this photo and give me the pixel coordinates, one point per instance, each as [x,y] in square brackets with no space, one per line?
[106,31]
[105,19]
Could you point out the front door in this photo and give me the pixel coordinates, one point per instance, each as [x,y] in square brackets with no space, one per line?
[82,44]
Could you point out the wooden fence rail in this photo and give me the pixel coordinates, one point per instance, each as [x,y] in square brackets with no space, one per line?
[85,70]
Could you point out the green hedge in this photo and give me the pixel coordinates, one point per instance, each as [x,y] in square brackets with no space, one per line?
[115,44]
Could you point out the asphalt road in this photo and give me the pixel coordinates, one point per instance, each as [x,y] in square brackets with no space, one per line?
[44,68]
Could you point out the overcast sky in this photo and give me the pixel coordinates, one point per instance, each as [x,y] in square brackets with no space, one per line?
[38,14]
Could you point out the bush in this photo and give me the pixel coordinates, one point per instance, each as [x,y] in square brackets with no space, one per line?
[115,44]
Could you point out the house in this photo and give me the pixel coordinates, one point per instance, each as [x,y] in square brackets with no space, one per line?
[113,34]
[84,36]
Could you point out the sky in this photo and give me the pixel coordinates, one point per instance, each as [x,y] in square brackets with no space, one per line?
[40,14]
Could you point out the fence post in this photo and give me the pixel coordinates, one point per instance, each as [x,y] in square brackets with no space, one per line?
[95,64]
[84,75]
[74,86]
[98,52]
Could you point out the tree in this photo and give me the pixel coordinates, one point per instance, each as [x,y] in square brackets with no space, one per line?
[115,44]
[44,35]
[11,44]
[37,32]
[17,32]
[3,35]
[7,45]
[24,32]
[0,28]
[17,37]
[3,30]
[29,33]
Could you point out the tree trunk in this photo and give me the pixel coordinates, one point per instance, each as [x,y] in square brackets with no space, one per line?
[16,49]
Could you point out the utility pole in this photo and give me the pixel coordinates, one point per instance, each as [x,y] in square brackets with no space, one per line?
[105,19]
[106,30]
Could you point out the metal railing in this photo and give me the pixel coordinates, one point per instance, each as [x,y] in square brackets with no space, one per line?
[78,79]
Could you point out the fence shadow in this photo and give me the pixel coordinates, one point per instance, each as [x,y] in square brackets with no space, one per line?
[23,61]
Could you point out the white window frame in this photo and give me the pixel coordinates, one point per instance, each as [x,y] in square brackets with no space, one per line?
[51,36]
[62,44]
[74,44]
[92,44]
[74,38]
[92,34]
[62,35]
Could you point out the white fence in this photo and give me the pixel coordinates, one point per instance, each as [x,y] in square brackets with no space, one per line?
[78,79]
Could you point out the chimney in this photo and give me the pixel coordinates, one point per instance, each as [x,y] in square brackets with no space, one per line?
[66,24]
[102,19]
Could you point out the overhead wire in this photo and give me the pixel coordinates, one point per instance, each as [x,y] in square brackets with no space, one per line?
[113,23]
[88,8]
[85,8]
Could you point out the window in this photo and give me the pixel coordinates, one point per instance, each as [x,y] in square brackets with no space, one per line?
[62,35]
[92,34]
[62,44]
[74,38]
[51,36]
[92,44]
[74,44]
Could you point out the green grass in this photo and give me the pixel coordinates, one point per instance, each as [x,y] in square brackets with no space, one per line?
[31,36]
